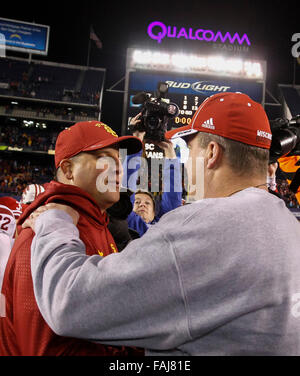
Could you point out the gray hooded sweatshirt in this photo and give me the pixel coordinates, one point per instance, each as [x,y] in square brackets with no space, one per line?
[218,277]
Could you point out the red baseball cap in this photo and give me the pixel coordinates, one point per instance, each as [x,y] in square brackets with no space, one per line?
[91,135]
[231,115]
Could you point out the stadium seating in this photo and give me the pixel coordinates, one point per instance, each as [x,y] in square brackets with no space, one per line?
[91,87]
[49,81]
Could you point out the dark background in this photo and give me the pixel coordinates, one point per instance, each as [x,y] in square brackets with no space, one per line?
[123,24]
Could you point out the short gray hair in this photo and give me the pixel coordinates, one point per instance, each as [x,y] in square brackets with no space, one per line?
[242,158]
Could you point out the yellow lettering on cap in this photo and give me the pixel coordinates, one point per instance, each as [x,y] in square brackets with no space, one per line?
[107,128]
[101,253]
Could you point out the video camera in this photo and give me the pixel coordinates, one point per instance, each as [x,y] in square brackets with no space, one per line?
[286,138]
[156,112]
[286,142]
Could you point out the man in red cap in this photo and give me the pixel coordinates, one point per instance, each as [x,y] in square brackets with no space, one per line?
[217,277]
[83,154]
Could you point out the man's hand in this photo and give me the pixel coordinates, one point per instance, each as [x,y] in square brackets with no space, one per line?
[272,170]
[134,121]
[271,178]
[30,222]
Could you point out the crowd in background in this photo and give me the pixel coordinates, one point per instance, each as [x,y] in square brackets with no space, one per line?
[16,175]
[287,195]
[44,111]
[33,138]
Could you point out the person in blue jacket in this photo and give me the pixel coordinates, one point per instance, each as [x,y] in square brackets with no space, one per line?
[146,209]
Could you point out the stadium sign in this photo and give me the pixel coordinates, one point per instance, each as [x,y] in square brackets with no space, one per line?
[24,36]
[158,31]
[11,148]
[203,87]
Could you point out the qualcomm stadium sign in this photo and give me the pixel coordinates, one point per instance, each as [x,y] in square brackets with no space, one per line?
[159,31]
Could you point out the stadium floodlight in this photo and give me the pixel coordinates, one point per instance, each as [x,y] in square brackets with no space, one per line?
[161,59]
[234,66]
[198,62]
[150,58]
[216,63]
[181,62]
[253,69]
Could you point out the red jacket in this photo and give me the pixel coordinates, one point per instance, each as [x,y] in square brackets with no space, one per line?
[23,331]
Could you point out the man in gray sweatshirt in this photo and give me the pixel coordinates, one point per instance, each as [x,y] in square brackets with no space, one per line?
[218,277]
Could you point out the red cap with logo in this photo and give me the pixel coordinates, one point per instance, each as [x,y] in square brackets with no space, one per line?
[231,115]
[91,135]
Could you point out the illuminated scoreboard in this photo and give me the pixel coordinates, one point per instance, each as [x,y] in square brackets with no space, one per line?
[191,80]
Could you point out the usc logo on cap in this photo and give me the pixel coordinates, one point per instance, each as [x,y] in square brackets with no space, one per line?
[107,128]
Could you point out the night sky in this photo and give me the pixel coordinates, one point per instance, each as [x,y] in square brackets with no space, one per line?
[123,24]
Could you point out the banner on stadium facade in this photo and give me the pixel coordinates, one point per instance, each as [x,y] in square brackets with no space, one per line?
[25,37]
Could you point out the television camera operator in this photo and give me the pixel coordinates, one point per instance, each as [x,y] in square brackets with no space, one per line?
[150,125]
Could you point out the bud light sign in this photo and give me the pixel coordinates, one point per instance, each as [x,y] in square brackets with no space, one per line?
[159,31]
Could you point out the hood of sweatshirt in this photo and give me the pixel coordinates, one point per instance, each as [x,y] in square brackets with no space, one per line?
[68,195]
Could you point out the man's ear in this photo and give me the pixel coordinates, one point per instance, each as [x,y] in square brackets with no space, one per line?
[66,167]
[214,155]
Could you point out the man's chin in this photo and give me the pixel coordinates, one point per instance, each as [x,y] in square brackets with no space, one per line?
[107,200]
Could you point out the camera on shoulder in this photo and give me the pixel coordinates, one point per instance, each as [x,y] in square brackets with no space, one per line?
[286,138]
[156,112]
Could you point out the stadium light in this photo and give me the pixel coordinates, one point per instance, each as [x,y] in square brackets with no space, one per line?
[253,69]
[234,65]
[180,61]
[195,63]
